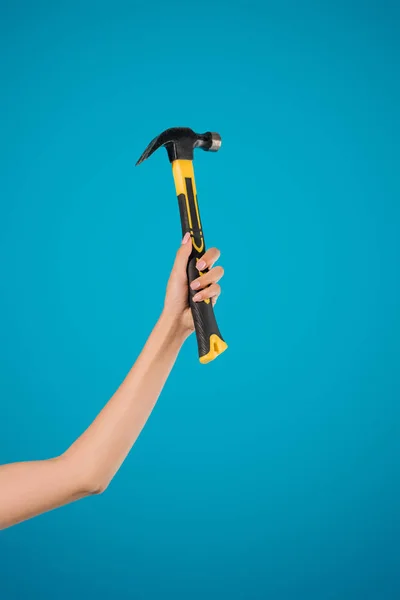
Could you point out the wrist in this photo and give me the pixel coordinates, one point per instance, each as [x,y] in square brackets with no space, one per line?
[174,327]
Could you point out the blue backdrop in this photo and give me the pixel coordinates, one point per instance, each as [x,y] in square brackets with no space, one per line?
[273,472]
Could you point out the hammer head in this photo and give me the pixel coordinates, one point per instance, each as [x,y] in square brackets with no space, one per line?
[180,143]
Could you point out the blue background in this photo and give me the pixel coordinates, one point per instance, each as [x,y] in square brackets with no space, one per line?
[273,472]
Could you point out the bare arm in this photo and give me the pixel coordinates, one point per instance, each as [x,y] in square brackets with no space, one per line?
[28,489]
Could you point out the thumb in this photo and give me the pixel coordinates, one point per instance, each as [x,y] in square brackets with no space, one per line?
[182,256]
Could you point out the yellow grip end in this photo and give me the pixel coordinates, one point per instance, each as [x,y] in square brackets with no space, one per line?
[217,347]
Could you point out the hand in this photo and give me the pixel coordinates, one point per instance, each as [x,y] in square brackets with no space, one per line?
[206,286]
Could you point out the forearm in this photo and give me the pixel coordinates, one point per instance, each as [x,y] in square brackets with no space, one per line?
[104,445]
[31,488]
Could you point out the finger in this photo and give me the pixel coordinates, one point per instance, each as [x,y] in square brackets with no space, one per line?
[208,259]
[210,292]
[182,256]
[212,276]
[214,300]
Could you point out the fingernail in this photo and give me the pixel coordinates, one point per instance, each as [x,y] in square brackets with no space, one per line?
[186,238]
[196,297]
[200,265]
[195,284]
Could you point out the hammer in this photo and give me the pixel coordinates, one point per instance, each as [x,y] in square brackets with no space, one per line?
[180,143]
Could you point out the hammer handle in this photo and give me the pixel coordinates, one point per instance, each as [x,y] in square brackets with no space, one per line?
[209,340]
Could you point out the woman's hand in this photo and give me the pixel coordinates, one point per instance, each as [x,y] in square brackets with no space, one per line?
[206,286]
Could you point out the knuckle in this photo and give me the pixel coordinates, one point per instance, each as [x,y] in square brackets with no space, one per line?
[213,253]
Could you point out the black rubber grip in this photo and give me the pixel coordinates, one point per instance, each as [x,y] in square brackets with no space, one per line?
[203,315]
[203,312]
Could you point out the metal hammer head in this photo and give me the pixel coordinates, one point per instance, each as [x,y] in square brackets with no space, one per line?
[180,143]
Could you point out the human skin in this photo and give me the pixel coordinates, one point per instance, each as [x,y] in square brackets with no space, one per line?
[28,489]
